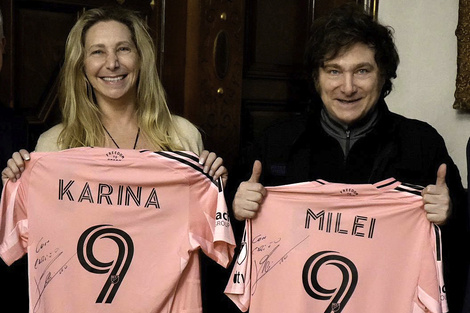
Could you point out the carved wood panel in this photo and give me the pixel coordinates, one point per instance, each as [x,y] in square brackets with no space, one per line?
[462,92]
[221,63]
[207,94]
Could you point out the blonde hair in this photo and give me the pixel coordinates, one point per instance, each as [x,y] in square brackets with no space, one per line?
[80,113]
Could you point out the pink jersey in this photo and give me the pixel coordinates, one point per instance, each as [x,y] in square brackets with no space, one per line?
[327,247]
[114,230]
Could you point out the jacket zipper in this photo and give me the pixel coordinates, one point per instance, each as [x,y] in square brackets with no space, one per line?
[348,144]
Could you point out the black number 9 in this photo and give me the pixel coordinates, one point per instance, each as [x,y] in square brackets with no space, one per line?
[340,296]
[117,267]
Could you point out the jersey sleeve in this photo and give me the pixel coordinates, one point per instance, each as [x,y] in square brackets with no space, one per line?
[238,288]
[212,231]
[430,293]
[13,222]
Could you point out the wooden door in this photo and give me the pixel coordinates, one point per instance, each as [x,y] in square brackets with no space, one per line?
[202,72]
[274,84]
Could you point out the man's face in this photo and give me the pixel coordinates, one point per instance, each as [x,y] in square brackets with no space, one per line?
[350,84]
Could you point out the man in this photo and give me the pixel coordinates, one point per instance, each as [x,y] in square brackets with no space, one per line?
[352,137]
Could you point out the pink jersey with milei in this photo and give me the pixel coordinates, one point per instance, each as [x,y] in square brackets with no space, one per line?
[328,247]
[114,230]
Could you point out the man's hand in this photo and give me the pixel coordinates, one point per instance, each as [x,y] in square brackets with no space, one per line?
[436,198]
[250,194]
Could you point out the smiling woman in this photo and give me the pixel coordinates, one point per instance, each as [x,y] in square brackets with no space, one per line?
[112,68]
[111,95]
[117,98]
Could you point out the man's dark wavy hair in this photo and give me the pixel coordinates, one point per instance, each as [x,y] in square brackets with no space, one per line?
[344,27]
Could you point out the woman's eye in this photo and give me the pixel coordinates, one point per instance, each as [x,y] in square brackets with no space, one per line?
[96,52]
[124,49]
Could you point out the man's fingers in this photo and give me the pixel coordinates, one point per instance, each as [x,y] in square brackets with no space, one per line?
[256,173]
[441,175]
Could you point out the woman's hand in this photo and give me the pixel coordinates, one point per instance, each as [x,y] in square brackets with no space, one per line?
[214,166]
[15,166]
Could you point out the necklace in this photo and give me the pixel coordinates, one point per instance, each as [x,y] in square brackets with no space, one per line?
[136,137]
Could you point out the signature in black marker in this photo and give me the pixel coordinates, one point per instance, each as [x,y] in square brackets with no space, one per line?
[48,275]
[266,264]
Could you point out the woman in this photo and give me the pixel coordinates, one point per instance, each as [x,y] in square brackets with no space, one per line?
[111,95]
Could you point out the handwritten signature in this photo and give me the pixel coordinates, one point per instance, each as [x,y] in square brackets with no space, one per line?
[50,260]
[266,263]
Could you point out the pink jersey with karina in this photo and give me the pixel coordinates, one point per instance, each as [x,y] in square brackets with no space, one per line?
[327,247]
[114,230]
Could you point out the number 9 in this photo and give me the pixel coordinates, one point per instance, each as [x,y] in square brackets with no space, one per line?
[339,296]
[118,267]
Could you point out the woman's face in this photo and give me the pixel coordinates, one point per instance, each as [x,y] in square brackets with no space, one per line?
[111,61]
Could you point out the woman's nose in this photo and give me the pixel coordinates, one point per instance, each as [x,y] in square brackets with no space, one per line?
[112,61]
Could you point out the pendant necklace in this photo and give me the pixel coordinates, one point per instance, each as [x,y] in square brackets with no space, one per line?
[136,137]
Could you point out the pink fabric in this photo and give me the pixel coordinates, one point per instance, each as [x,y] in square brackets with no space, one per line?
[327,247]
[114,230]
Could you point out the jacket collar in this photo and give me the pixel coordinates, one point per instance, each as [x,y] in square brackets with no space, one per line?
[383,126]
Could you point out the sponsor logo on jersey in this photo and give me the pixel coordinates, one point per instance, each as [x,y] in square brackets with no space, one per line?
[222,219]
[238,278]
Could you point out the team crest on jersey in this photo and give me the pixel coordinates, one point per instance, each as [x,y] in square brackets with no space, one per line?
[336,307]
[114,279]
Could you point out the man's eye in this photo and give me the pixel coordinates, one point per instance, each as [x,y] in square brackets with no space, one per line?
[363,71]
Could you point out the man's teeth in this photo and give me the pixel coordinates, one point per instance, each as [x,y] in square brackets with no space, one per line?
[113,79]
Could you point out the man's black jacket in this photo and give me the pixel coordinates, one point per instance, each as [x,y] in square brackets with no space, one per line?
[408,150]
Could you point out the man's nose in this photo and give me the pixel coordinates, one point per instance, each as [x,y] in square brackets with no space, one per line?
[348,86]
